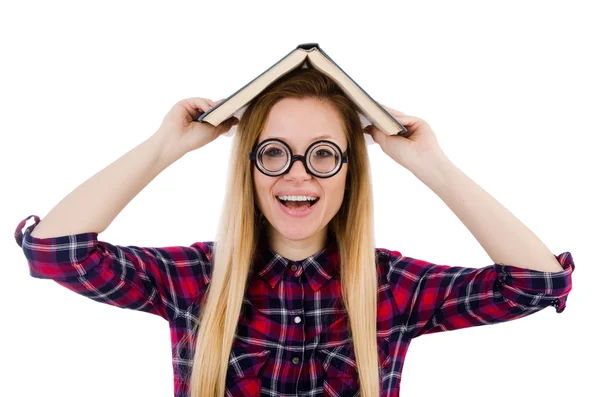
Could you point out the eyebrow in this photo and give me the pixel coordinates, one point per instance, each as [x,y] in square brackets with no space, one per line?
[314,139]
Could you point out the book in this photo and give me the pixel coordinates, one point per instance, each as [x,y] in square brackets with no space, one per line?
[307,55]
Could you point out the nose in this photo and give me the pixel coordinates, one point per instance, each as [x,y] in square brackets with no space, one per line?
[297,171]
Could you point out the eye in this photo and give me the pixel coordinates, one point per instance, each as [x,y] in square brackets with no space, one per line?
[273,152]
[324,153]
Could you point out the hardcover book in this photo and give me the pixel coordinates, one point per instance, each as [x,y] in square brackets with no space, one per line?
[308,55]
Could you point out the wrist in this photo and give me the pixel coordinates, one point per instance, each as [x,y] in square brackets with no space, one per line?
[433,169]
[165,152]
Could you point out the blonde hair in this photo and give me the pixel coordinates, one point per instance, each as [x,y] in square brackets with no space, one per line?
[238,235]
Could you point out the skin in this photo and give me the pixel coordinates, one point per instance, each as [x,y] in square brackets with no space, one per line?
[502,235]
[299,122]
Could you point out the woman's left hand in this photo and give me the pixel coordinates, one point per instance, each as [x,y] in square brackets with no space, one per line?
[415,152]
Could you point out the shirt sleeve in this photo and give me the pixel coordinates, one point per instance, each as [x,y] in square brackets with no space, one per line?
[442,298]
[163,281]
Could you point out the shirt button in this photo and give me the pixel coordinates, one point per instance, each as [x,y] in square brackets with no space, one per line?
[297,319]
[295,360]
[294,268]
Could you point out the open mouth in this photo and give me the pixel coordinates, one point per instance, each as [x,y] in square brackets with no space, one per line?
[298,205]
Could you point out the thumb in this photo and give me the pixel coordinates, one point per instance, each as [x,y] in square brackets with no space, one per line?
[226,125]
[376,134]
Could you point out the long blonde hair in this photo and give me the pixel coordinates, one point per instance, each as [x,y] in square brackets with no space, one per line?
[238,234]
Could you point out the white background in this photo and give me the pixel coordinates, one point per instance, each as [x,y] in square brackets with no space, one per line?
[510,88]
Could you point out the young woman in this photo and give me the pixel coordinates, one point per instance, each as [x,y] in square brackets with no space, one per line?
[293,298]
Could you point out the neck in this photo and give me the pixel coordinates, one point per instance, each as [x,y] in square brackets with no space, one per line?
[296,249]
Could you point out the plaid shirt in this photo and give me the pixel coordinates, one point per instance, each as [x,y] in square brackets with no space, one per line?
[292,336]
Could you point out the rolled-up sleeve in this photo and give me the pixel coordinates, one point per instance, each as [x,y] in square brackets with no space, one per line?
[531,288]
[162,281]
[442,297]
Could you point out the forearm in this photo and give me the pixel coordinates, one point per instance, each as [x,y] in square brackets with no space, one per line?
[505,239]
[94,204]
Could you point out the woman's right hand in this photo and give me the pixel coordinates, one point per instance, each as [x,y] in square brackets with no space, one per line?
[180,132]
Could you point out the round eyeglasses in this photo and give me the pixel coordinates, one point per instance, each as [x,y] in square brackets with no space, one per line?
[273,157]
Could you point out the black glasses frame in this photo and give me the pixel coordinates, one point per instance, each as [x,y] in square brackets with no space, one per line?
[253,154]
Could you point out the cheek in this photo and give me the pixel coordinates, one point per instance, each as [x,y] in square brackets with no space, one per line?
[335,189]
[262,187]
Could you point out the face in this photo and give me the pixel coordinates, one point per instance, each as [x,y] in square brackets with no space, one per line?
[300,122]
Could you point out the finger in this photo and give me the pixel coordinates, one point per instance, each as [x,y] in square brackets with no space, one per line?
[409,120]
[202,104]
[393,111]
[195,106]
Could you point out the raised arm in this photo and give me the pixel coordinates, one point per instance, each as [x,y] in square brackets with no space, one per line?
[525,276]
[94,204]
[64,246]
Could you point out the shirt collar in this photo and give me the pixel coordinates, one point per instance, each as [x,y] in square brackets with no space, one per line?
[318,268]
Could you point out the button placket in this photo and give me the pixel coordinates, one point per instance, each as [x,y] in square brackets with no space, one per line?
[502,277]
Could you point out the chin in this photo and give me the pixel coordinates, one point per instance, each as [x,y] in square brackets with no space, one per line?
[296,233]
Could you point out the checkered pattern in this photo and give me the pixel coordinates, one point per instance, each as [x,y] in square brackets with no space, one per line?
[292,337]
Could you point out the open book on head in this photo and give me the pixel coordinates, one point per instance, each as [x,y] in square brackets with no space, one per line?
[308,55]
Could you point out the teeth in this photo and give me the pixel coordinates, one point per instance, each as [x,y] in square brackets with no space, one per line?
[296,198]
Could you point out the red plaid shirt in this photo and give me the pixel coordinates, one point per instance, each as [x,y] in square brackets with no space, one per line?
[292,335]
